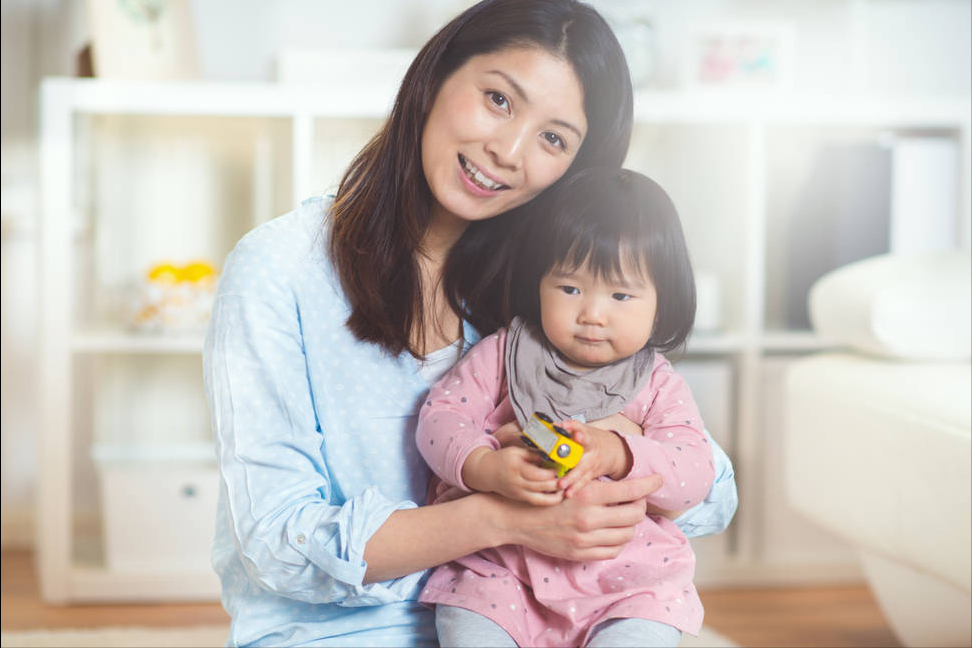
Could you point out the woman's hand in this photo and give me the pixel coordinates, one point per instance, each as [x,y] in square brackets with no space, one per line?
[604,454]
[596,524]
[513,472]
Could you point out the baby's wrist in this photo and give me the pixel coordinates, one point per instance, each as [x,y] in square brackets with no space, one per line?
[474,469]
[621,458]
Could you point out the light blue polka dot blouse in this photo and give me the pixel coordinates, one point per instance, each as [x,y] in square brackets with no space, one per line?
[315,443]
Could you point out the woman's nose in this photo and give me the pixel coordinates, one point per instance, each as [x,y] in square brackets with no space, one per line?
[507,144]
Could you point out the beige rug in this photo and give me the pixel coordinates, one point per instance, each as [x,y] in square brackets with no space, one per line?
[201,637]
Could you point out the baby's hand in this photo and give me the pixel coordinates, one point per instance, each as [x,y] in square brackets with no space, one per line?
[604,454]
[513,472]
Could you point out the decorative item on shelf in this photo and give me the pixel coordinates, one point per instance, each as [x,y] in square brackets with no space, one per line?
[708,302]
[636,35]
[740,57]
[175,299]
[140,39]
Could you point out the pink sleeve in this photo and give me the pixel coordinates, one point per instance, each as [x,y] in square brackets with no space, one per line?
[674,445]
[452,420]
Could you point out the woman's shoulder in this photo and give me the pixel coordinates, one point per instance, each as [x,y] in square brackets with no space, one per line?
[302,226]
[287,248]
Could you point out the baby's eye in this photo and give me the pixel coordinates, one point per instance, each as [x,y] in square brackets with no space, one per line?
[570,290]
[499,100]
[554,139]
[621,296]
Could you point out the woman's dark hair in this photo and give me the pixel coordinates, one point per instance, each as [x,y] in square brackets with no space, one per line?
[600,218]
[383,204]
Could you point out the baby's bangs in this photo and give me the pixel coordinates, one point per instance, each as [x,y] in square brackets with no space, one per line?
[607,258]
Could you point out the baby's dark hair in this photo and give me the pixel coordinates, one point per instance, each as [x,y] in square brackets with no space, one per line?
[601,217]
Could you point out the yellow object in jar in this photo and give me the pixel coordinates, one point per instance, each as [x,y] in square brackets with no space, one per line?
[196,271]
[164,273]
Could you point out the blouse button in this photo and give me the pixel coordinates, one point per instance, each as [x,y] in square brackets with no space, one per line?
[301,539]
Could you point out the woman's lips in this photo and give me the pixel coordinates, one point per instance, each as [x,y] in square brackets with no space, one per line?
[478,177]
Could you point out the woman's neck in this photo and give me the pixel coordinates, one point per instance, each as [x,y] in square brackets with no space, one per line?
[441,322]
[442,233]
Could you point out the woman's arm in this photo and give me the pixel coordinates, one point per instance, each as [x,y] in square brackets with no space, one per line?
[595,525]
[715,513]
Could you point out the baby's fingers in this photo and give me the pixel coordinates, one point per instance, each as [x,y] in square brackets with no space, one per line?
[548,485]
[574,487]
[582,473]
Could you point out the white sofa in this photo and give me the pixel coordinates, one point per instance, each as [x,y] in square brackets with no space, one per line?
[878,441]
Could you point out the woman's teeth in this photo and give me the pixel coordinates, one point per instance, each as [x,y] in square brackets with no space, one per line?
[477,176]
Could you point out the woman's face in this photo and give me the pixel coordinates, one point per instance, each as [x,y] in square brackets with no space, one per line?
[502,128]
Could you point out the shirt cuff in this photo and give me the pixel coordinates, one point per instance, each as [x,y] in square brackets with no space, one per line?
[340,553]
[481,441]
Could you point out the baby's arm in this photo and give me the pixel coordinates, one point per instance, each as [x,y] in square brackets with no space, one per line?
[674,444]
[452,438]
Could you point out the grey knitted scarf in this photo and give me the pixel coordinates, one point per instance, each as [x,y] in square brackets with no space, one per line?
[540,381]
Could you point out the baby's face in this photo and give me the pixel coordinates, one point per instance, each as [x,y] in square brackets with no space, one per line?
[594,321]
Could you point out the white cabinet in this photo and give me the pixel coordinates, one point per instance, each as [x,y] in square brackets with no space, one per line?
[133,173]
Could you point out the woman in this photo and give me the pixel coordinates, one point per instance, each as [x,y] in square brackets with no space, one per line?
[331,322]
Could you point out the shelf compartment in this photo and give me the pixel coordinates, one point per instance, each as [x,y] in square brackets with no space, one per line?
[180,201]
[181,483]
[121,341]
[335,143]
[692,164]
[830,201]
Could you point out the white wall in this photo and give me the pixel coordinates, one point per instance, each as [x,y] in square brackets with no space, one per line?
[886,47]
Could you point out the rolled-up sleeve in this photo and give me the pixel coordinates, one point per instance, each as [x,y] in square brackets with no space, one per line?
[713,514]
[295,534]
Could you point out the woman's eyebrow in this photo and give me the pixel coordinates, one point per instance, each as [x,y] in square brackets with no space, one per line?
[518,89]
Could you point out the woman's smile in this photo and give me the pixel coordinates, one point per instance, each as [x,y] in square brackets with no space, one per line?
[480,179]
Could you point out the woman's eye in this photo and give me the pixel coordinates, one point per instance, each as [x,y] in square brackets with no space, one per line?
[570,290]
[554,139]
[498,99]
[621,296]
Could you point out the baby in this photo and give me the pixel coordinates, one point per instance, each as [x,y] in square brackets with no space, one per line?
[604,287]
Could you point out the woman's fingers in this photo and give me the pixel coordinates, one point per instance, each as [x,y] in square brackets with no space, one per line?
[543,499]
[628,490]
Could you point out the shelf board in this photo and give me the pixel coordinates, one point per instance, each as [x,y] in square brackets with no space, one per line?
[115,96]
[800,341]
[121,341]
[740,108]
[371,100]
[702,343]
[91,582]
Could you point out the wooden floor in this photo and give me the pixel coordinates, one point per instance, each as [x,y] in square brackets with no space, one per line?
[831,616]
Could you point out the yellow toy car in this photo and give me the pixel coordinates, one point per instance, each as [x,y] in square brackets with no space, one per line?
[552,442]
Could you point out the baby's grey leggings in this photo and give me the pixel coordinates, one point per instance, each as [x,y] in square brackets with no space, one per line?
[462,628]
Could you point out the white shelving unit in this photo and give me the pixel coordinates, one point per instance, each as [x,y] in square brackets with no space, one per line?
[314,121]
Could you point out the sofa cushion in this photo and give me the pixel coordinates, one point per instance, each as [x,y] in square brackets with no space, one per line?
[916,307]
[879,452]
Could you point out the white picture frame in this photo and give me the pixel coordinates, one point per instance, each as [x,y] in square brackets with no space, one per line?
[740,57]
